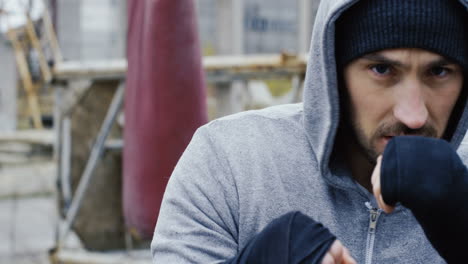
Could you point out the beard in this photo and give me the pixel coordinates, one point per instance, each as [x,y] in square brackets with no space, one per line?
[368,145]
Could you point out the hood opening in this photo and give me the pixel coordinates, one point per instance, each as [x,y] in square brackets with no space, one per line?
[457,113]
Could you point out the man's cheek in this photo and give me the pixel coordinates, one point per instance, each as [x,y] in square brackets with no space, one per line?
[378,142]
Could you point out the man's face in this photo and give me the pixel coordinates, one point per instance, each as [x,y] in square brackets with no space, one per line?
[400,92]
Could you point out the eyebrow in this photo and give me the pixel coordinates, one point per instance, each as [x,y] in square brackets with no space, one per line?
[441,62]
[381,59]
[384,60]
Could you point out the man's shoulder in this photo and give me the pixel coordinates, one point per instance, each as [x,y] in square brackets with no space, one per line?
[271,118]
[277,127]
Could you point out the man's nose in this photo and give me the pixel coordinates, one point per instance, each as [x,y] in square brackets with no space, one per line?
[410,107]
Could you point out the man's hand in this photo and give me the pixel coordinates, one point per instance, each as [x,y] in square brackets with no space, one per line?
[427,176]
[338,254]
[376,188]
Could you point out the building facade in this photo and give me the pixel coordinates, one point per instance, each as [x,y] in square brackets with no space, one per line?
[89,29]
[255,26]
[92,30]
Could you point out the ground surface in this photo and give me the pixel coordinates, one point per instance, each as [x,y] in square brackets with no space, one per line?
[27,212]
[28,208]
[26,229]
[27,204]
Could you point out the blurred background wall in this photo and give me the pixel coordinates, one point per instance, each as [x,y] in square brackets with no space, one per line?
[255,26]
[94,30]
[8,80]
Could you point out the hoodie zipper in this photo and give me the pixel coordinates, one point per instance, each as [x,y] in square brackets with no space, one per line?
[373,219]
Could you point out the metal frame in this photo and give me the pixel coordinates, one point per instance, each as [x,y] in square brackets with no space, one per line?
[94,157]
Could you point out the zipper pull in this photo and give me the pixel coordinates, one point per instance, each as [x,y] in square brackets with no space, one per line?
[374,216]
[373,220]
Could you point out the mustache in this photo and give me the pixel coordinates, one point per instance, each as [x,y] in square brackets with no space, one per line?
[400,129]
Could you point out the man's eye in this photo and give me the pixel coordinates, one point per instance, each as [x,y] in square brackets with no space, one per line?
[381,69]
[439,71]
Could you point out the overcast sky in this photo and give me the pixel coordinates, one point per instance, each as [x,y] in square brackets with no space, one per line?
[16,10]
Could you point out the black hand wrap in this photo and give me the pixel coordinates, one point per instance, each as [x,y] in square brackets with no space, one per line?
[292,238]
[427,176]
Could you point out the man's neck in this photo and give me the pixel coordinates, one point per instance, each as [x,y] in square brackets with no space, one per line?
[360,166]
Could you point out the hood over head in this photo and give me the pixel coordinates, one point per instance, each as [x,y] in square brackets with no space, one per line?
[321,97]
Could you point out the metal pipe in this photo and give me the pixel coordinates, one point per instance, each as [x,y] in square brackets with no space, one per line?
[94,157]
[65,163]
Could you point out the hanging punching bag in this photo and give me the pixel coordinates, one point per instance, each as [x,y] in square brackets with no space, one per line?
[165,102]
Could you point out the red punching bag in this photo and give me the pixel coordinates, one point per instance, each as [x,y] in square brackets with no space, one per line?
[165,102]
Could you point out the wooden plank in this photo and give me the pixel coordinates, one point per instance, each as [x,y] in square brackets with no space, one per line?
[35,109]
[52,37]
[248,64]
[115,69]
[254,62]
[32,35]
[64,256]
[41,137]
[26,79]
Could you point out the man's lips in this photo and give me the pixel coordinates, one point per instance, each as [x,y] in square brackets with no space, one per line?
[386,139]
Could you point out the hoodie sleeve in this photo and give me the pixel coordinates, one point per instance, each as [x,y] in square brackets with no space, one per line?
[428,177]
[198,221]
[293,238]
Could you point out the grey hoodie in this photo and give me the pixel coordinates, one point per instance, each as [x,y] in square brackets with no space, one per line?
[242,171]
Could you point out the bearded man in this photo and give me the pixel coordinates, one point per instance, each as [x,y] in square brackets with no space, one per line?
[370,168]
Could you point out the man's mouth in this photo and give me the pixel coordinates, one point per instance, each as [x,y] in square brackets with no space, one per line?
[386,139]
